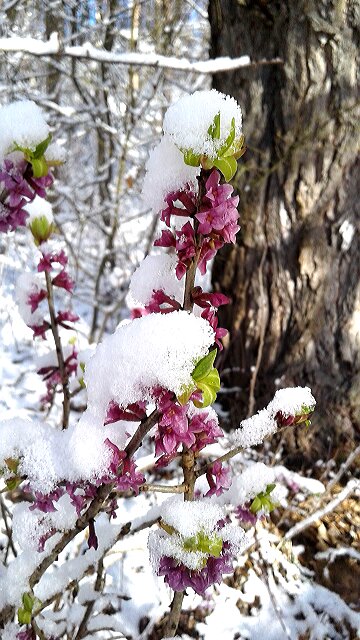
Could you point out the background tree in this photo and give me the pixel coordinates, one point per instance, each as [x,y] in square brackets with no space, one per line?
[294,274]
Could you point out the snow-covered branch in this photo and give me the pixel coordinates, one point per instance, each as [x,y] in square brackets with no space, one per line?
[54,47]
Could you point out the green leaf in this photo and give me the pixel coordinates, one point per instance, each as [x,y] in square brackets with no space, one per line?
[12,464]
[13,483]
[24,617]
[41,228]
[209,387]
[184,397]
[214,129]
[204,543]
[41,147]
[28,602]
[39,167]
[229,140]
[204,366]
[191,158]
[227,166]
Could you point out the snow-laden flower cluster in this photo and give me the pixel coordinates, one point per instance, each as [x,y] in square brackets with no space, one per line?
[195,546]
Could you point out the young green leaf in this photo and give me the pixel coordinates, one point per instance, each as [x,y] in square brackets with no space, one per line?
[204,366]
[191,158]
[229,140]
[209,386]
[227,166]
[214,129]
[41,147]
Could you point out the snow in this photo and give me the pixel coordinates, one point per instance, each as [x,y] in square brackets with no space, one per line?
[26,284]
[166,172]
[155,273]
[87,50]
[188,120]
[254,430]
[246,485]
[291,400]
[49,456]
[188,519]
[39,208]
[168,346]
[23,123]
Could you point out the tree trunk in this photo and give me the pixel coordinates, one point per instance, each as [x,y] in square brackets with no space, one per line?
[294,274]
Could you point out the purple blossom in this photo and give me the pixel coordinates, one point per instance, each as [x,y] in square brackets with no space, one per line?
[206,431]
[209,315]
[48,259]
[93,542]
[173,426]
[244,514]
[29,634]
[160,298]
[187,199]
[205,300]
[42,540]
[35,297]
[45,502]
[167,239]
[63,281]
[123,470]
[218,212]
[219,479]
[133,412]
[179,577]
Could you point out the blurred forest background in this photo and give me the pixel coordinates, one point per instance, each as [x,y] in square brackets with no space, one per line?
[293,276]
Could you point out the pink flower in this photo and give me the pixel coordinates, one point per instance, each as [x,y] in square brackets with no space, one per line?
[205,300]
[209,315]
[219,479]
[167,239]
[218,211]
[63,281]
[160,298]
[206,431]
[35,298]
[48,259]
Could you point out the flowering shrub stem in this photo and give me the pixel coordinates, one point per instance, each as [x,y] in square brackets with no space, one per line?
[59,352]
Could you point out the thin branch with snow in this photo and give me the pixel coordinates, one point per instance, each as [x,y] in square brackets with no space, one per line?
[54,47]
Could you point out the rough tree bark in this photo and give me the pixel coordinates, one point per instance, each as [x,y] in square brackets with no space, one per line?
[294,275]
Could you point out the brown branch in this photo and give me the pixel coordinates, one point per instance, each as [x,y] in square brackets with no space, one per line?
[59,352]
[174,615]
[82,630]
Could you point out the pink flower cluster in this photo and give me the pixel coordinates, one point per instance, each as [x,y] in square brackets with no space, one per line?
[179,577]
[211,225]
[18,187]
[179,425]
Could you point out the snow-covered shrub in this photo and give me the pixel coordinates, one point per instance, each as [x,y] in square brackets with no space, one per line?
[154,380]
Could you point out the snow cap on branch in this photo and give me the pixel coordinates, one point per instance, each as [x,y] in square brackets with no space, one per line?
[166,172]
[188,121]
[167,346]
[289,406]
[23,123]
[156,273]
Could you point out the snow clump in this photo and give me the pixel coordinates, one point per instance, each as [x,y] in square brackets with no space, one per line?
[187,121]
[156,273]
[166,172]
[168,346]
[23,123]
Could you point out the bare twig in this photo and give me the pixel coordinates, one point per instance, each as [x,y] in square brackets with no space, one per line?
[164,488]
[351,487]
[59,352]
